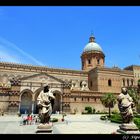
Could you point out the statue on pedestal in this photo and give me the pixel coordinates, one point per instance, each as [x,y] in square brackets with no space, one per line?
[126,105]
[45,108]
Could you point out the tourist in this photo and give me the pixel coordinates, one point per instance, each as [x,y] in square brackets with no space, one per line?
[25,120]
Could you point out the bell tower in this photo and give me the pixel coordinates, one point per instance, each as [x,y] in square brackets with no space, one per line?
[92,55]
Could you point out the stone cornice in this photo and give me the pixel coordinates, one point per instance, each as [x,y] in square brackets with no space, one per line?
[92,54]
[127,72]
[28,68]
[90,93]
[40,74]
[131,67]
[118,70]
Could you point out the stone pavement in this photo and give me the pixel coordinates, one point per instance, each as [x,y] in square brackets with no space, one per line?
[11,124]
[73,124]
[85,124]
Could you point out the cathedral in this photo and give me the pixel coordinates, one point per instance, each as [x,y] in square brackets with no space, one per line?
[21,84]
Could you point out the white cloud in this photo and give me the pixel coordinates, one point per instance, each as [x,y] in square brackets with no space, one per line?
[10,52]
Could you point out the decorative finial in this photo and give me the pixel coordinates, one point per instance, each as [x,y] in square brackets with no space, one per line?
[92,38]
[92,33]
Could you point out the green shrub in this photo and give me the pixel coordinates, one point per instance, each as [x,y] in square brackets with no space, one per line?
[115,112]
[98,112]
[84,113]
[88,109]
[103,117]
[138,108]
[104,112]
[116,118]
[54,120]
[93,110]
[137,115]
[137,122]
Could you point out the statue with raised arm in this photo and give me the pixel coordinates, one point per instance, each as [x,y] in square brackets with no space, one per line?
[45,107]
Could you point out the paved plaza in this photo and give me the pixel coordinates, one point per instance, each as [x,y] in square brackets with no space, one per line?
[73,124]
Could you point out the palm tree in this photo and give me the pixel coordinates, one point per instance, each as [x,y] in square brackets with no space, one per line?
[139,82]
[133,93]
[138,85]
[135,96]
[108,100]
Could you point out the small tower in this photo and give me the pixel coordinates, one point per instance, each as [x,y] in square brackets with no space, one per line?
[92,55]
[92,38]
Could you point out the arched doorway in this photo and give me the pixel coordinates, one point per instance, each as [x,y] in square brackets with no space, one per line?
[57,102]
[37,92]
[36,109]
[26,102]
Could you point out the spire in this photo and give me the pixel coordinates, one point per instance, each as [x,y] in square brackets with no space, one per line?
[92,38]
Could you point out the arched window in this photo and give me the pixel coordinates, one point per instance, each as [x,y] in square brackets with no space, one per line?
[131,82]
[124,82]
[75,99]
[138,82]
[98,61]
[89,61]
[81,84]
[127,82]
[82,98]
[109,82]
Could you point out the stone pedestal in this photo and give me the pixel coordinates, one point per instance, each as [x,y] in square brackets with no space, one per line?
[128,128]
[44,128]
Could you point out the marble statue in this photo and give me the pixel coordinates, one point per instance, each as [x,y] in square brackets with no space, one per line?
[125,104]
[45,107]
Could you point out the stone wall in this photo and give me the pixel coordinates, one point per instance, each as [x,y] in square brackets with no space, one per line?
[4,102]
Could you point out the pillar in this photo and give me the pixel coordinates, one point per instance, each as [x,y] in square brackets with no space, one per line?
[32,107]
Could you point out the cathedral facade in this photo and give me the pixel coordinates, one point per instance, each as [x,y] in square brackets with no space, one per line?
[21,84]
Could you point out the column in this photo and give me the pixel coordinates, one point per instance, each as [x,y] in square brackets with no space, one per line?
[32,107]
[61,108]
[19,107]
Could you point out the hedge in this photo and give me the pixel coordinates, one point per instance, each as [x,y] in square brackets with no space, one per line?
[54,120]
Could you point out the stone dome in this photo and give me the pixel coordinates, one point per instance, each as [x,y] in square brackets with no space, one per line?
[92,46]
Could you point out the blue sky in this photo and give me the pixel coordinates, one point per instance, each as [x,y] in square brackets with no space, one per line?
[55,36]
